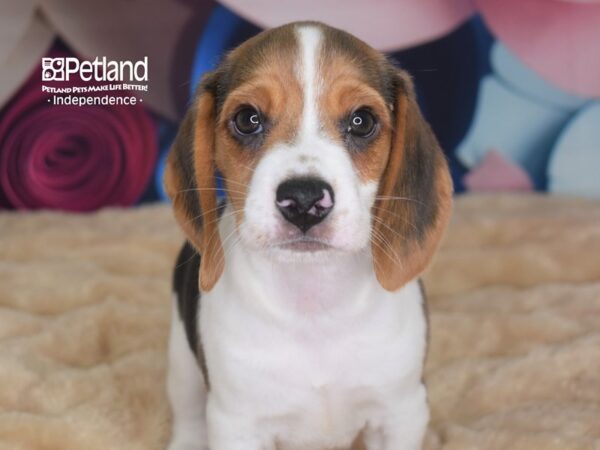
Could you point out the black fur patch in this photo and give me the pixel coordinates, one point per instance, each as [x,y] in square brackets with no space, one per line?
[185,285]
[418,177]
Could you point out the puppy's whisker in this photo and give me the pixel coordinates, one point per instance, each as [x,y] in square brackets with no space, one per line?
[233,244]
[203,213]
[199,216]
[251,169]
[384,245]
[218,219]
[384,240]
[390,198]
[210,222]
[187,260]
[237,183]
[215,233]
[228,182]
[222,216]
[392,257]
[246,167]
[394,232]
[216,208]
[376,263]
[224,243]
[380,238]
[404,219]
[374,241]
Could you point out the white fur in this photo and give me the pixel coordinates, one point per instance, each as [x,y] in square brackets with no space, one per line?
[304,349]
[310,40]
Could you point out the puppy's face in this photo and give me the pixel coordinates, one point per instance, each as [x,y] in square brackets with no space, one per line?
[322,149]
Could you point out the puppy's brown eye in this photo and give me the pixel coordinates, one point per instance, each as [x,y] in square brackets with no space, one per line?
[362,123]
[248,121]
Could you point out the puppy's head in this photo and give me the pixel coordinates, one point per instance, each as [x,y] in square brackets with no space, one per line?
[323,150]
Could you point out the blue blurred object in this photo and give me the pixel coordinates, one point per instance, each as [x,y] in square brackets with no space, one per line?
[522,130]
[575,159]
[159,176]
[223,31]
[524,81]
[520,115]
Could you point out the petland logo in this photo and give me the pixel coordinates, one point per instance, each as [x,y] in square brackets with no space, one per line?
[100,82]
[100,69]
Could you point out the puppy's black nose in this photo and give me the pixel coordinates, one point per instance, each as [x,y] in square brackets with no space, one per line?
[304,202]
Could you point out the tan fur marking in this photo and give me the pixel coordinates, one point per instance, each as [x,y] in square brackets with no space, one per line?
[272,88]
[212,263]
[346,90]
[180,189]
[192,189]
[173,187]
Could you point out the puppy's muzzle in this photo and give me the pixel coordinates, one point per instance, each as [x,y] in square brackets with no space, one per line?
[304,202]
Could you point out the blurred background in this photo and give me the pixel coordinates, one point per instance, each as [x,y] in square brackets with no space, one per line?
[510,87]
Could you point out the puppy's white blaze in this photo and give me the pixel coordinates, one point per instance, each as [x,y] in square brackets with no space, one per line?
[309,38]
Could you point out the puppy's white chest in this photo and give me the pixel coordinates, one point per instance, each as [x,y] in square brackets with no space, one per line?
[334,392]
[315,379]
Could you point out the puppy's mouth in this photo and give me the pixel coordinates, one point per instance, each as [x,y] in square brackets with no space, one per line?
[304,244]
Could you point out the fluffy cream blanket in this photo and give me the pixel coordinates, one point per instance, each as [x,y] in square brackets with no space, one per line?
[514,299]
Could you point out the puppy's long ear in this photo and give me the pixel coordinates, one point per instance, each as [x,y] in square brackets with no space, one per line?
[191,185]
[415,195]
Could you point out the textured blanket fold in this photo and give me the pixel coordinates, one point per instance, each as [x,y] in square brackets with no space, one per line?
[514,301]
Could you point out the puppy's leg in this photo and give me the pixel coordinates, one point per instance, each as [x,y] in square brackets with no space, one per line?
[187,392]
[404,425]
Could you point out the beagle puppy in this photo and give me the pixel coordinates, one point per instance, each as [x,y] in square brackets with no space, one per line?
[298,319]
